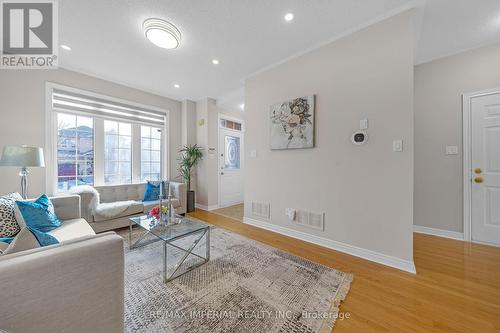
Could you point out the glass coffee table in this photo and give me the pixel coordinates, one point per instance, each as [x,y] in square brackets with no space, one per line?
[169,234]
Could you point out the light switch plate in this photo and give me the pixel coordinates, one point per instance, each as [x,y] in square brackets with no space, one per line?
[363,124]
[253,153]
[451,150]
[397,145]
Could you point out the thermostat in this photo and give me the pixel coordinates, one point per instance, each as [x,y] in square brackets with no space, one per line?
[359,138]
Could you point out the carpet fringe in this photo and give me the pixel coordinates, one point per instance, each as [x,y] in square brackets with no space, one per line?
[340,295]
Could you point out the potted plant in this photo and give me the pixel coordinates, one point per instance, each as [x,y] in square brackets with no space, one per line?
[190,156]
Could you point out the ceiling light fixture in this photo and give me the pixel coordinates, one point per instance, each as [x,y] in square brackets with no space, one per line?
[162,33]
[215,61]
[242,106]
[65,47]
[176,86]
[289,17]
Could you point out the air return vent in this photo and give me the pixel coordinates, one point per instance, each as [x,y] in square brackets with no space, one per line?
[311,220]
[261,210]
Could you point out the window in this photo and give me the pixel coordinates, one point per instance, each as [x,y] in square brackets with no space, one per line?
[150,153]
[232,152]
[225,123]
[117,153]
[75,151]
[99,140]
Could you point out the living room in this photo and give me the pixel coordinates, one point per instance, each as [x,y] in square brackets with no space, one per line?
[235,166]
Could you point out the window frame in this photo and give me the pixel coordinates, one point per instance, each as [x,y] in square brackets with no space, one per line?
[51,137]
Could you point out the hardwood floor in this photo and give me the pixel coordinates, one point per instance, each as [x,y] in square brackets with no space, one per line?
[456,288]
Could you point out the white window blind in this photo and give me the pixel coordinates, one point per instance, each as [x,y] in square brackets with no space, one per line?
[64,101]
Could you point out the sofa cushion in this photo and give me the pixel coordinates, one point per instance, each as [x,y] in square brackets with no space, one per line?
[150,204]
[72,229]
[135,208]
[8,224]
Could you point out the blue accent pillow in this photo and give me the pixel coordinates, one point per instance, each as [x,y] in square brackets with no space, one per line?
[39,214]
[43,238]
[152,192]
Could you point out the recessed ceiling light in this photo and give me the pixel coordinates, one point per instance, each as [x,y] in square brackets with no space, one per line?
[289,17]
[65,47]
[215,61]
[176,86]
[162,33]
[242,106]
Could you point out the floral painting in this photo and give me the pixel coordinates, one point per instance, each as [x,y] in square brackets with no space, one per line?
[292,124]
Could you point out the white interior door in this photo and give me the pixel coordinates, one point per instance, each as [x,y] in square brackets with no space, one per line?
[485,163]
[230,167]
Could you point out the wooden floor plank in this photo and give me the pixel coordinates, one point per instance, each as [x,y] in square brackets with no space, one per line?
[456,288]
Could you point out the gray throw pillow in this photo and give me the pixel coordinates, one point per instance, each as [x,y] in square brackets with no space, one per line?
[8,224]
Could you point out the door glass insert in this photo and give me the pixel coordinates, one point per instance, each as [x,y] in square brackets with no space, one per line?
[232,152]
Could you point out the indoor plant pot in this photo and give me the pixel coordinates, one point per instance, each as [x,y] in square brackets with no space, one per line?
[191,200]
[190,156]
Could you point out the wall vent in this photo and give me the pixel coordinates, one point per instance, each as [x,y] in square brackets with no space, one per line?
[261,210]
[311,220]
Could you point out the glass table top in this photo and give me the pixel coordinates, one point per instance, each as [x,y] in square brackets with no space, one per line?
[172,231]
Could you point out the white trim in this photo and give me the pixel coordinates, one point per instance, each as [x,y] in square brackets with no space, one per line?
[467,158]
[456,53]
[404,265]
[206,208]
[438,232]
[219,160]
[231,204]
[412,4]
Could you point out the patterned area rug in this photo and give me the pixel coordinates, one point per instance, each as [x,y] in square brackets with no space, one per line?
[245,287]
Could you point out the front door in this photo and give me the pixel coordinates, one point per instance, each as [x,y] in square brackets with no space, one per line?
[230,167]
[485,157]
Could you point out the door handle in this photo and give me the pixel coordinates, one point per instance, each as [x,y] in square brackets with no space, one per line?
[479,180]
[478,170]
[222,173]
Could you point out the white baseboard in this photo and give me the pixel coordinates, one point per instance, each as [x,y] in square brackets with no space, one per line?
[438,232]
[404,265]
[207,208]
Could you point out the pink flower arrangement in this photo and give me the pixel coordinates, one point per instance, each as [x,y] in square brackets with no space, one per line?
[155,211]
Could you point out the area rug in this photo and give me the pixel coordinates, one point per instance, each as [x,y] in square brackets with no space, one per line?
[245,287]
[234,212]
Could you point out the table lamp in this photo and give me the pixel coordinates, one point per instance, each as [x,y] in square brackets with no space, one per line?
[23,157]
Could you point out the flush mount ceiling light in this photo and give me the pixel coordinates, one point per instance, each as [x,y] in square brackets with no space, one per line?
[162,33]
[289,17]
[215,61]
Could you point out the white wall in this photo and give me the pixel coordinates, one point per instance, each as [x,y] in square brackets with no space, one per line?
[365,192]
[206,137]
[439,86]
[22,114]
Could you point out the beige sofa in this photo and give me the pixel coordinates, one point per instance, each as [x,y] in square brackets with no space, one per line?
[74,286]
[133,192]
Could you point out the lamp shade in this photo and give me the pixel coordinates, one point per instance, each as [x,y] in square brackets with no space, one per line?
[22,156]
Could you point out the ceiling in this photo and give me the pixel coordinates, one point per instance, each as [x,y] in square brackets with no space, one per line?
[244,35]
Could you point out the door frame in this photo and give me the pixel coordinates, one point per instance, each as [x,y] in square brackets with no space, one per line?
[219,162]
[467,156]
